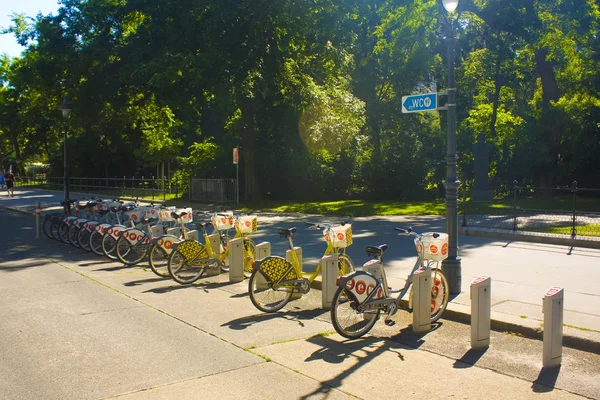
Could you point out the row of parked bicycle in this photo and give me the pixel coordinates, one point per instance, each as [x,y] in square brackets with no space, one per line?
[165,236]
[169,238]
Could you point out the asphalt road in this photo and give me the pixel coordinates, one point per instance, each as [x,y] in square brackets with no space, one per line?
[75,326]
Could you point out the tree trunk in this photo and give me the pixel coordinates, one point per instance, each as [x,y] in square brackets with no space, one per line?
[251,186]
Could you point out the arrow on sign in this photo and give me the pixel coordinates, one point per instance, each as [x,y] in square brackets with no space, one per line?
[419,102]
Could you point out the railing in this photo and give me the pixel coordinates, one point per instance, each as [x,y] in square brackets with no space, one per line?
[559,211]
[155,188]
[223,191]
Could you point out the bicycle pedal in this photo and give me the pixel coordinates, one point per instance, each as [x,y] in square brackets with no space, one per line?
[390,322]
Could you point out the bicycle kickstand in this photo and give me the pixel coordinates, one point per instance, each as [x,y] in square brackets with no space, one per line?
[391,311]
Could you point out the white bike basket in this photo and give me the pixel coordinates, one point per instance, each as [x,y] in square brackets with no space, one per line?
[339,236]
[247,223]
[222,221]
[188,217]
[433,248]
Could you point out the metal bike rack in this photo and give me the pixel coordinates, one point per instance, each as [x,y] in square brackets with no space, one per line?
[552,307]
[421,301]
[329,272]
[481,307]
[236,260]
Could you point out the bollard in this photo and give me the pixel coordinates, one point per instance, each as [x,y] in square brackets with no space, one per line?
[37,219]
[421,301]
[481,308]
[215,244]
[236,259]
[288,257]
[329,274]
[552,307]
[263,250]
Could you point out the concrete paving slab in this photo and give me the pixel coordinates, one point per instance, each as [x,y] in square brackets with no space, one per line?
[374,368]
[264,381]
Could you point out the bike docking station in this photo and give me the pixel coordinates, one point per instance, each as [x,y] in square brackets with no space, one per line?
[215,244]
[263,250]
[552,308]
[288,257]
[329,274]
[236,259]
[421,301]
[481,308]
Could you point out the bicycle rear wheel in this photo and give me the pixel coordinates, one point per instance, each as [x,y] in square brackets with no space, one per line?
[264,297]
[188,261]
[346,319]
[55,230]
[159,261]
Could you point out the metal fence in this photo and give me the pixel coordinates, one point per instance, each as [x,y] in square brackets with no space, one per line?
[155,188]
[223,191]
[557,211]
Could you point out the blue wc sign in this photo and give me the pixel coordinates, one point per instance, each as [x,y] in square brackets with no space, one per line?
[419,102]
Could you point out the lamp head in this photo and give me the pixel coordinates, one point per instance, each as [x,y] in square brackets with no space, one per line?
[65,107]
[450,5]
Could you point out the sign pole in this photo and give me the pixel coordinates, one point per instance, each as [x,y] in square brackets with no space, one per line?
[236,159]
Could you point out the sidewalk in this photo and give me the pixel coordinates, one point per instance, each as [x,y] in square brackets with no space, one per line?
[521,272]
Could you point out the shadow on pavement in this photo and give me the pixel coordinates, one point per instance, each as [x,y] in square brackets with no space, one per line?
[361,350]
[245,322]
[470,358]
[546,380]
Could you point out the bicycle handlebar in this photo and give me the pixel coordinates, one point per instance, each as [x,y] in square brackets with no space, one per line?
[409,232]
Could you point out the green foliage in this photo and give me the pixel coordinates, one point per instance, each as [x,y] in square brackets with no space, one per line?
[311,92]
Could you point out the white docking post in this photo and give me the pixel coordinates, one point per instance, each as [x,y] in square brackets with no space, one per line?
[552,307]
[481,308]
[288,257]
[235,257]
[215,244]
[421,301]
[263,250]
[329,274]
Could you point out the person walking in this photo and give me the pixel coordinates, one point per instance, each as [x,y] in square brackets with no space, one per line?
[2,179]
[9,179]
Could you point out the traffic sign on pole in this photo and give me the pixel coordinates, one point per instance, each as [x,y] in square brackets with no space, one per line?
[419,102]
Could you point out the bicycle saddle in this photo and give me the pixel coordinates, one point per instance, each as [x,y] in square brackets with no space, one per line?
[376,251]
[203,226]
[178,215]
[286,232]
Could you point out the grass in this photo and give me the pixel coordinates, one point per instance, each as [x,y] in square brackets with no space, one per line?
[582,230]
[352,208]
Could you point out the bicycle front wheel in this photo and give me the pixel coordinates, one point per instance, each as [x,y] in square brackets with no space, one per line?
[95,242]
[346,319]
[127,253]
[158,260]
[63,233]
[264,297]
[187,262]
[73,233]
[249,257]
[439,294]
[47,227]
[83,238]
[345,265]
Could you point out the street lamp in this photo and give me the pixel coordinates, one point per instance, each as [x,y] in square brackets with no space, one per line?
[451,266]
[66,108]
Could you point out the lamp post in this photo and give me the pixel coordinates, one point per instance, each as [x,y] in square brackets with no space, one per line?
[66,108]
[452,265]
